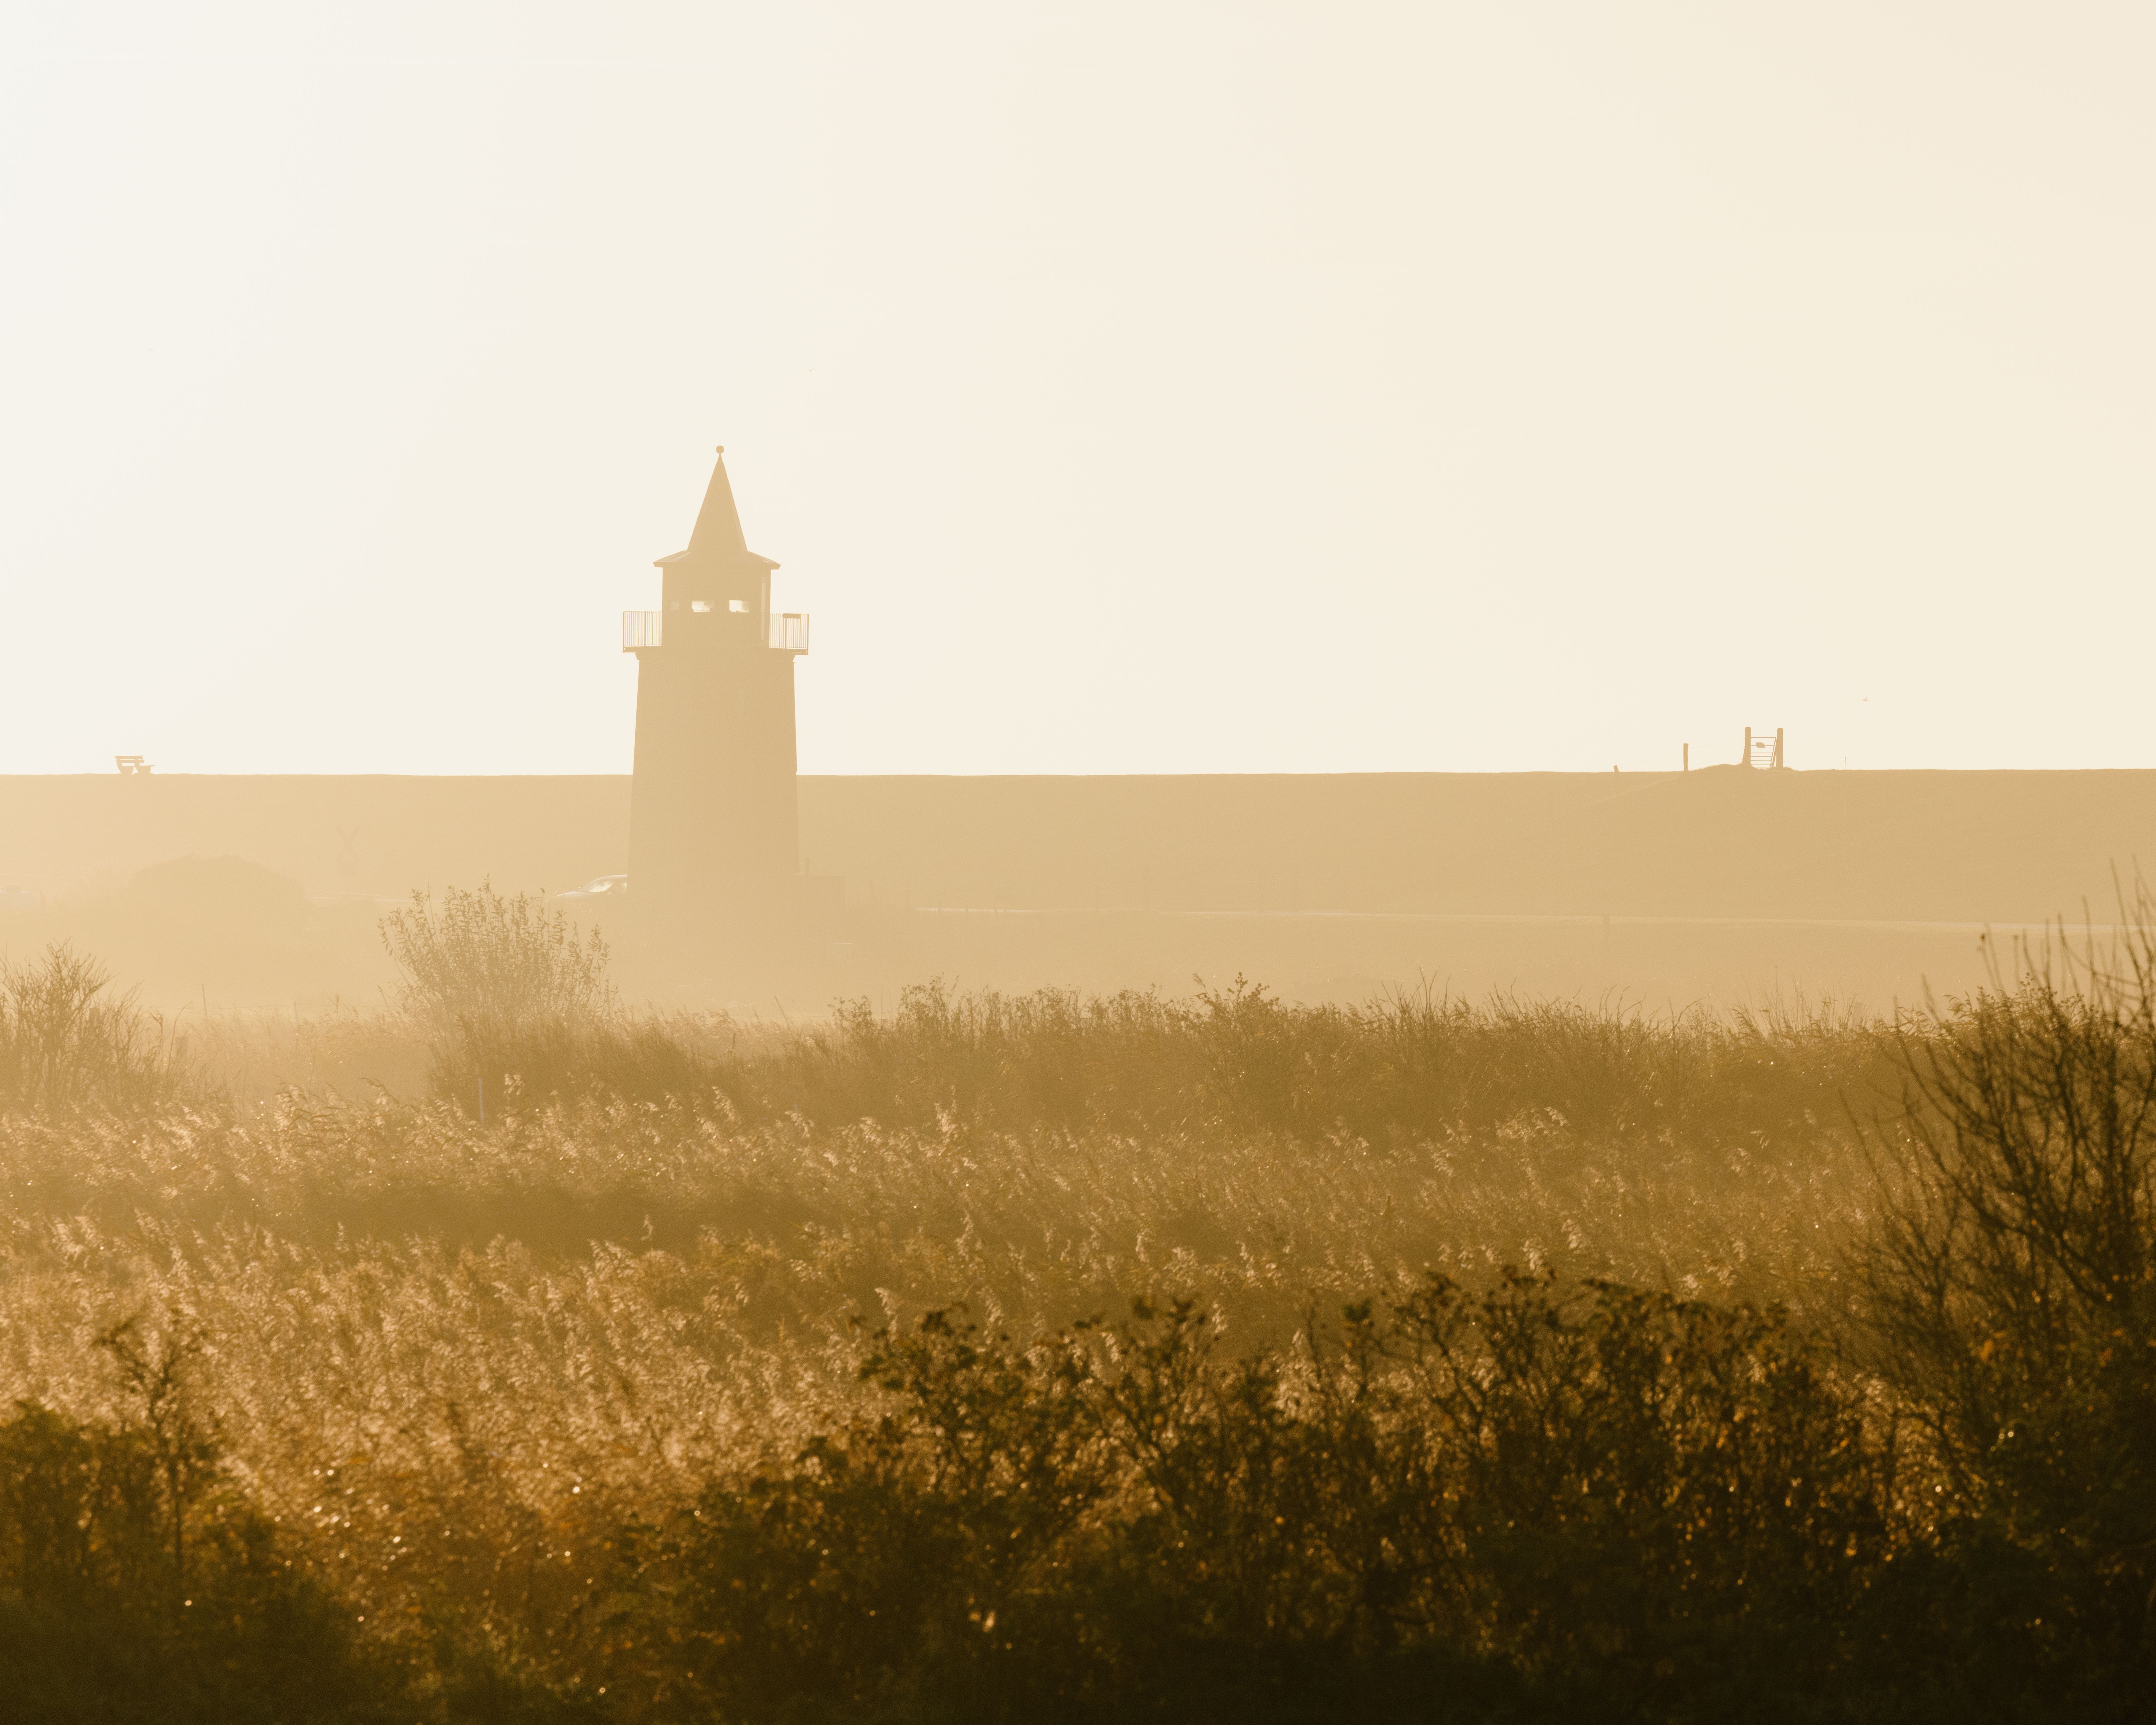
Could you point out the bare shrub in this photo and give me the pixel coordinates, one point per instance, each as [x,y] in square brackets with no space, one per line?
[67,1042]
[2009,1283]
[482,957]
[499,987]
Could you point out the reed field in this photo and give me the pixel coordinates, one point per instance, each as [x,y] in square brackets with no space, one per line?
[513,1353]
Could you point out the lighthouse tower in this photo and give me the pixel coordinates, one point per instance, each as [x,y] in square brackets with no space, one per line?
[713,824]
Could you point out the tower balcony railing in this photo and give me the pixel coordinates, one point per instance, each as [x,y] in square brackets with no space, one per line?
[789,631]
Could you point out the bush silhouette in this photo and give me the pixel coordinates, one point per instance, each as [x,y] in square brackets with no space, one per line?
[135,1584]
[1580,1498]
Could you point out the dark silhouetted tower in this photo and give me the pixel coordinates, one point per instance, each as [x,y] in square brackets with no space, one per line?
[713,822]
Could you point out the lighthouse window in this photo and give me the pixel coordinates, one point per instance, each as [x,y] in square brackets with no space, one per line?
[700,604]
[738,604]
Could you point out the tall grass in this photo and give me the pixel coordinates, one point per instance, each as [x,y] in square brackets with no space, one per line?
[1482,1339]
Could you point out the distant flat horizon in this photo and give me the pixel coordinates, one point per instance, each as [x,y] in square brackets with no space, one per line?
[1228,772]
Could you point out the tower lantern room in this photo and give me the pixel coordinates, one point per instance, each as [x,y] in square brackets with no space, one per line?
[712,812]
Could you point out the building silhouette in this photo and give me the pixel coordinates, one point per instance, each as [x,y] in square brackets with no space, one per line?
[714,825]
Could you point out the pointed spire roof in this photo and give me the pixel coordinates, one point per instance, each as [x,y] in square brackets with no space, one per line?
[718,536]
[718,523]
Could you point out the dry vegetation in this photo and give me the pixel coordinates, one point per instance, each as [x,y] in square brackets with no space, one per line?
[731,1371]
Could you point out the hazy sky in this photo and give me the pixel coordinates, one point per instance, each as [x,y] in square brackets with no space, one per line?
[1123,388]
